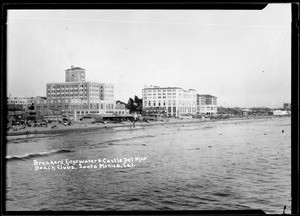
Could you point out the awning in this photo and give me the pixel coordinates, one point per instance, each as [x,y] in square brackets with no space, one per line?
[108,115]
[125,115]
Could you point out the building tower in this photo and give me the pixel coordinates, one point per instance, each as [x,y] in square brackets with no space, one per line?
[75,74]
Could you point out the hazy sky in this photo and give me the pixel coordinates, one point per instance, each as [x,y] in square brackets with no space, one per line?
[242,57]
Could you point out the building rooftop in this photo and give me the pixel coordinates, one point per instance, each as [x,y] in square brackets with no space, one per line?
[42,97]
[206,95]
[158,87]
[77,82]
[75,68]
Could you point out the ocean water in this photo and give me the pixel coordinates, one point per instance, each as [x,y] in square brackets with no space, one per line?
[225,165]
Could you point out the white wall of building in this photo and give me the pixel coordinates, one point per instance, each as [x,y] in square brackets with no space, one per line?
[177,101]
[280,112]
[81,95]
[207,104]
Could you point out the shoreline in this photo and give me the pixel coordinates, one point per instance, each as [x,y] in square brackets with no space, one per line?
[99,126]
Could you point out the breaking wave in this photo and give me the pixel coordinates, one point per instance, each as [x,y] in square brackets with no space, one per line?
[33,155]
[125,139]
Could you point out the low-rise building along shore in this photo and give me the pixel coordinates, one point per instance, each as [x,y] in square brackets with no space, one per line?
[19,101]
[207,104]
[121,108]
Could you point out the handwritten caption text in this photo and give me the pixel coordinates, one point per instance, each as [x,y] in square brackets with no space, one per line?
[71,164]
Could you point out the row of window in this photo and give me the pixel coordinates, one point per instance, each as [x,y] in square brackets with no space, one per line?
[78,86]
[76,105]
[19,98]
[211,108]
[79,94]
[159,94]
[18,102]
[154,97]
[154,104]
[188,102]
[169,95]
[160,90]
[182,110]
[81,91]
[56,101]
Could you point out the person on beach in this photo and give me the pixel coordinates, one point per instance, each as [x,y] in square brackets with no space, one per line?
[27,134]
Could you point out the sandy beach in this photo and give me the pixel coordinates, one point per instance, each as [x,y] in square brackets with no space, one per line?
[81,126]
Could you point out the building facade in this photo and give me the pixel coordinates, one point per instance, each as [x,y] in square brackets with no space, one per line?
[19,109]
[154,111]
[121,108]
[81,95]
[206,104]
[40,103]
[20,100]
[78,98]
[281,112]
[175,100]
[75,74]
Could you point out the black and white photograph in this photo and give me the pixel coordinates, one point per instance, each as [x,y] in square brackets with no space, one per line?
[149,110]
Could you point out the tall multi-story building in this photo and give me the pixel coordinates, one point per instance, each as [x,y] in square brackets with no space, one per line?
[77,98]
[175,100]
[206,104]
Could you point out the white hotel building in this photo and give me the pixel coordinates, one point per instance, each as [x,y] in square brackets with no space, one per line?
[177,101]
[77,97]
[207,104]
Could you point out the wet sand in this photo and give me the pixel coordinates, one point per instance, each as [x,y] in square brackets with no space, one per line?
[81,126]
